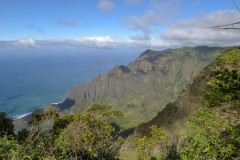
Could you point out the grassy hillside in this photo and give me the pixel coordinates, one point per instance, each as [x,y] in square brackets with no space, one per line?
[174,115]
[143,88]
[203,123]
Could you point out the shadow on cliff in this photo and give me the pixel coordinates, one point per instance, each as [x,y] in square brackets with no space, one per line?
[125,133]
[66,104]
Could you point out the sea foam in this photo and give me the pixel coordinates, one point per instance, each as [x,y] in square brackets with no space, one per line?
[21,116]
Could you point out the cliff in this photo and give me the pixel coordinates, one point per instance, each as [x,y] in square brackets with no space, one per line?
[173,117]
[143,88]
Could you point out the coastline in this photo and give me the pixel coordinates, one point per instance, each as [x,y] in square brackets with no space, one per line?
[57,103]
[20,116]
[39,110]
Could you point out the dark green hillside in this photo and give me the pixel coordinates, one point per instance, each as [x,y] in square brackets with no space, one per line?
[174,115]
[142,88]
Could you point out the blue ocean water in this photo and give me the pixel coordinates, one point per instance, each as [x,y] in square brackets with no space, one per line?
[31,78]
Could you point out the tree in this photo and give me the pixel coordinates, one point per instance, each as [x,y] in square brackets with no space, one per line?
[10,149]
[90,136]
[6,125]
[223,95]
[208,137]
[145,145]
[87,136]
[224,91]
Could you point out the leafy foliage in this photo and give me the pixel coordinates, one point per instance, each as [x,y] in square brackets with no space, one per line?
[90,136]
[87,136]
[216,136]
[230,56]
[207,137]
[224,89]
[145,145]
[6,125]
[10,149]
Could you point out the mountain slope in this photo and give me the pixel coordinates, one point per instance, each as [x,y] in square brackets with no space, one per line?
[174,115]
[142,88]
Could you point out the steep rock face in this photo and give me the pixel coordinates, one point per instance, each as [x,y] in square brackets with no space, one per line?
[173,117]
[142,88]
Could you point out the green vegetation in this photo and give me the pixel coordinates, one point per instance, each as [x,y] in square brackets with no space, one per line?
[87,136]
[6,126]
[224,90]
[213,132]
[206,137]
[144,146]
[144,87]
[204,123]
[209,137]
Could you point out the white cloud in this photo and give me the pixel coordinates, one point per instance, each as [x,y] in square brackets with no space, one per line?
[96,41]
[99,39]
[143,23]
[151,43]
[194,32]
[106,5]
[158,14]
[25,43]
[92,42]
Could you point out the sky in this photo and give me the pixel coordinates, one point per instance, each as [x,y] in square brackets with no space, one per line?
[117,23]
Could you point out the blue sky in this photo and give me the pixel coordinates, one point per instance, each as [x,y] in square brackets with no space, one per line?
[116,23]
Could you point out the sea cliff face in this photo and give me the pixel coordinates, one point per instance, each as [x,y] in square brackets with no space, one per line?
[142,88]
[173,117]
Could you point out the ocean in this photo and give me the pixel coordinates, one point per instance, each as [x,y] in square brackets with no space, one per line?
[32,78]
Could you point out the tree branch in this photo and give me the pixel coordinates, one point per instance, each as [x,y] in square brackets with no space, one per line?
[228,26]
[225,26]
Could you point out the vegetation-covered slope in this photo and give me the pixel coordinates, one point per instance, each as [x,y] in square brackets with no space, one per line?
[145,86]
[203,123]
[173,116]
[212,125]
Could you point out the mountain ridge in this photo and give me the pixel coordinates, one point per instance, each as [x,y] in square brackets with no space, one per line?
[143,87]
[173,117]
